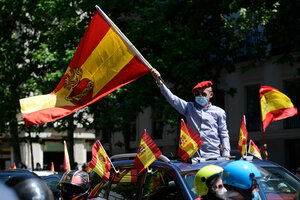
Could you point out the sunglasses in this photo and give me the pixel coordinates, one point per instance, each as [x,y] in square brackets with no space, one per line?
[203,94]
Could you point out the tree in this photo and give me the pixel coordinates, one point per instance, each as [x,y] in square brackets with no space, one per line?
[186,41]
[37,41]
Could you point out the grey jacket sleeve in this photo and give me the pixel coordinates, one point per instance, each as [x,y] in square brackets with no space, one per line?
[178,103]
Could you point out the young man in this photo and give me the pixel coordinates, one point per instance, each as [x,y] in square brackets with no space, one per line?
[207,120]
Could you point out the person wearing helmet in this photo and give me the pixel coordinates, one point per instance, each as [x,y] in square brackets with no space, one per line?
[208,183]
[239,178]
[75,185]
[207,120]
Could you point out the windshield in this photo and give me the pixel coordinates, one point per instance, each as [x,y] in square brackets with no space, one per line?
[278,184]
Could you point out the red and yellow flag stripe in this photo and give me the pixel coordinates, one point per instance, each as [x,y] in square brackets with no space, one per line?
[189,142]
[242,146]
[274,106]
[147,153]
[102,63]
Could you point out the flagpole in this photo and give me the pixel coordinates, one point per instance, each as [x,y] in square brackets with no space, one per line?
[262,125]
[124,38]
[249,145]
[247,134]
[117,171]
[109,159]
[198,153]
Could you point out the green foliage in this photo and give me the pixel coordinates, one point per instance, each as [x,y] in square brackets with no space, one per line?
[187,41]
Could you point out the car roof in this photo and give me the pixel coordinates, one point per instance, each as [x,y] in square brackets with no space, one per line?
[183,167]
[220,162]
[6,174]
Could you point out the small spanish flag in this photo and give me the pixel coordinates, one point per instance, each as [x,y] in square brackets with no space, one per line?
[253,149]
[52,167]
[189,142]
[100,162]
[104,61]
[66,158]
[274,106]
[147,153]
[242,146]
[13,166]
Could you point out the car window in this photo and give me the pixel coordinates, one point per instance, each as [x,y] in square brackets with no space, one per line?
[123,186]
[278,184]
[160,184]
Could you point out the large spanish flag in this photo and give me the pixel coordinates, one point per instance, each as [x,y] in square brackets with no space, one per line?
[242,146]
[274,106]
[253,149]
[100,162]
[104,61]
[147,153]
[67,167]
[189,142]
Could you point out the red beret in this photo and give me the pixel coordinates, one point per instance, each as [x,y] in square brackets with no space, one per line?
[202,84]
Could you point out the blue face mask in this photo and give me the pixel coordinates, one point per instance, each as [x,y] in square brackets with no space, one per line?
[255,196]
[202,101]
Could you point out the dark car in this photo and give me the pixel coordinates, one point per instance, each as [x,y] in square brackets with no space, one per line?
[172,179]
[53,180]
[26,184]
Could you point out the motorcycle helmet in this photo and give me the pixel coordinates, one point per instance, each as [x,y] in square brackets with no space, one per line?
[30,187]
[75,185]
[240,174]
[205,178]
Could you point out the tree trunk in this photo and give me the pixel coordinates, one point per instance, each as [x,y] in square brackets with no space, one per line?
[31,149]
[13,125]
[70,144]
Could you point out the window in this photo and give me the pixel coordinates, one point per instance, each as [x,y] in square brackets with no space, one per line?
[292,88]
[253,116]
[157,124]
[157,129]
[132,129]
[219,98]
[160,184]
[124,185]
